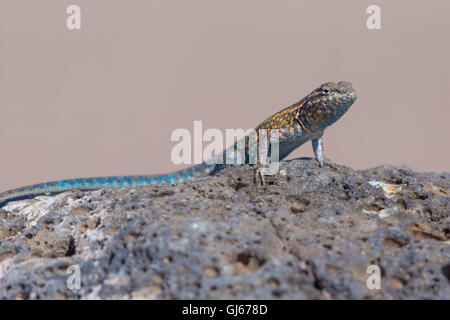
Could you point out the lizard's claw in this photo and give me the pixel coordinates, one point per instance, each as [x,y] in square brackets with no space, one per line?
[320,162]
[329,163]
[259,175]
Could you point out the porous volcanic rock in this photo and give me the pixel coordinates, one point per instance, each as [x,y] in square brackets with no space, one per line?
[309,233]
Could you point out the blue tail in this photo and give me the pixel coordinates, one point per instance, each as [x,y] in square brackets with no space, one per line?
[106,183]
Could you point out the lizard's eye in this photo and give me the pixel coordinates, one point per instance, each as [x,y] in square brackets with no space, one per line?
[325,90]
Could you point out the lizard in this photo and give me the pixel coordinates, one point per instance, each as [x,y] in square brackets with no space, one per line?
[305,120]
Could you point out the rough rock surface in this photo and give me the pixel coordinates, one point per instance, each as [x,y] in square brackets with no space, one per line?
[310,233]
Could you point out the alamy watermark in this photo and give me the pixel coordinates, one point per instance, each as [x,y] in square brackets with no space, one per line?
[244,146]
[73,21]
[74,280]
[374,280]
[374,20]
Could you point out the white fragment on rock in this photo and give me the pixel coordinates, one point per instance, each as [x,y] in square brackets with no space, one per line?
[37,207]
[31,208]
[389,190]
[16,206]
[42,198]
[374,213]
[37,210]
[387,212]
[382,213]
[100,192]
[199,226]
[70,201]
[416,211]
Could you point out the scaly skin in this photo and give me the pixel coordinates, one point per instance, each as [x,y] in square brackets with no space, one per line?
[303,121]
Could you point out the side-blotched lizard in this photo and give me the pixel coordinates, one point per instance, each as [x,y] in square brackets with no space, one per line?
[303,121]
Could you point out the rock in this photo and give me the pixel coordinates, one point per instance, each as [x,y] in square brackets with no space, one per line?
[309,233]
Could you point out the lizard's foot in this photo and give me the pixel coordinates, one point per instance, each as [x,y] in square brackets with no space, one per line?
[320,162]
[329,163]
[259,175]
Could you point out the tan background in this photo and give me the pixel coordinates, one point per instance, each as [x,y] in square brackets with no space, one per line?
[104,100]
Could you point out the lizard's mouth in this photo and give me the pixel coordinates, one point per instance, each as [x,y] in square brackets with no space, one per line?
[352,97]
[345,98]
[347,87]
[349,94]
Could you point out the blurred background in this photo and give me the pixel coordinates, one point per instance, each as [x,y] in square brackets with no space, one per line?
[105,99]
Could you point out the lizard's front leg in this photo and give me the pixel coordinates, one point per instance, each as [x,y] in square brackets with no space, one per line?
[318,150]
[259,174]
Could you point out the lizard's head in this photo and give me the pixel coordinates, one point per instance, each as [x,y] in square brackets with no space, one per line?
[330,101]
